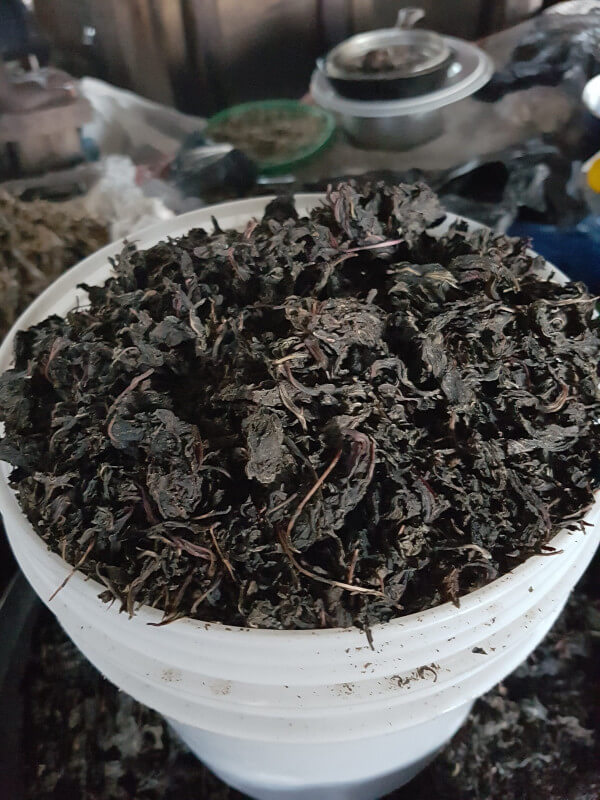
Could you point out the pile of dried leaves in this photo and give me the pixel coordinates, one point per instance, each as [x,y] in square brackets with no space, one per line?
[537,735]
[267,134]
[38,241]
[317,421]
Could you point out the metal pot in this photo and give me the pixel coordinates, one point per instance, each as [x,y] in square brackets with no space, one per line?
[394,133]
[389,63]
[406,122]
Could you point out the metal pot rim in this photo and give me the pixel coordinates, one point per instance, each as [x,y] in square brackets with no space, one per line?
[474,66]
[362,43]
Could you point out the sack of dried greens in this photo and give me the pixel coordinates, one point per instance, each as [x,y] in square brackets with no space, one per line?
[38,241]
[323,419]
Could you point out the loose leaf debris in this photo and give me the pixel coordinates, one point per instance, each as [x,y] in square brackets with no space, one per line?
[319,421]
[38,241]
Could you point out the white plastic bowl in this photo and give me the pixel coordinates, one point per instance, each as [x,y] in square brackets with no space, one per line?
[298,714]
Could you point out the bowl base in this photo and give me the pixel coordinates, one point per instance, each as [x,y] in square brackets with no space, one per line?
[362,769]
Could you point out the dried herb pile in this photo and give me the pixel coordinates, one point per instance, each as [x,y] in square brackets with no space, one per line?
[38,241]
[536,735]
[314,422]
[269,133]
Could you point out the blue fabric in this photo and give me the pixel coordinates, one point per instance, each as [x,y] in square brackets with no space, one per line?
[575,251]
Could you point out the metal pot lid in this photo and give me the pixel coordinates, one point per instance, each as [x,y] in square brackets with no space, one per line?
[470,70]
[400,54]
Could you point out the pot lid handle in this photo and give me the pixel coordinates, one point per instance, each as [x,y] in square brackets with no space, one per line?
[408,17]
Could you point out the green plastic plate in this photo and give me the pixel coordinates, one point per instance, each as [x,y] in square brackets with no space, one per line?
[278,166]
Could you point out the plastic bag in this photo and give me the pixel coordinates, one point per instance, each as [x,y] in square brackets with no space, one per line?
[559,47]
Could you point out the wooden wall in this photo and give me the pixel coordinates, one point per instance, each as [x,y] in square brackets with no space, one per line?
[202,55]
[256,48]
